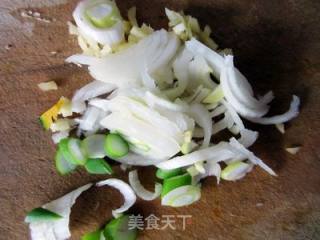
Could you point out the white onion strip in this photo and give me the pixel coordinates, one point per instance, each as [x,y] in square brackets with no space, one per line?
[250,155]
[290,114]
[203,119]
[140,190]
[127,192]
[220,152]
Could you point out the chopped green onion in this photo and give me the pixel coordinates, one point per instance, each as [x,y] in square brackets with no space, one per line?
[174,182]
[103,15]
[115,146]
[96,235]
[70,148]
[236,171]
[41,214]
[164,174]
[119,229]
[182,196]
[62,164]
[93,146]
[98,166]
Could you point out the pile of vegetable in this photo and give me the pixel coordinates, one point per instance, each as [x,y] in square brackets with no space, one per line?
[160,98]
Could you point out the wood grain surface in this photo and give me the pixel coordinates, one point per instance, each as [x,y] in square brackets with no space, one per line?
[277,46]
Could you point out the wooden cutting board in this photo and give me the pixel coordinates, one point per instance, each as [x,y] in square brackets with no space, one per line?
[276,44]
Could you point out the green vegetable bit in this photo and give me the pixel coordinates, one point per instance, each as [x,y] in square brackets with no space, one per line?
[62,165]
[40,215]
[98,166]
[70,148]
[172,183]
[103,15]
[92,236]
[164,174]
[119,229]
[115,146]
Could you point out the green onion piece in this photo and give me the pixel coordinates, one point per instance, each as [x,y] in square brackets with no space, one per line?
[115,146]
[182,196]
[93,146]
[119,229]
[62,164]
[235,171]
[103,15]
[70,148]
[98,166]
[40,215]
[172,183]
[92,236]
[164,174]
[215,97]
[76,151]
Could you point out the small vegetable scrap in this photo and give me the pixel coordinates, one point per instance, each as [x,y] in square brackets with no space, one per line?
[293,150]
[158,98]
[36,15]
[48,86]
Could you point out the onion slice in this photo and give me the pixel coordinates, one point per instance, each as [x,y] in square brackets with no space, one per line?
[293,150]
[140,190]
[250,155]
[203,119]
[91,90]
[127,192]
[290,114]
[106,36]
[220,152]
[58,229]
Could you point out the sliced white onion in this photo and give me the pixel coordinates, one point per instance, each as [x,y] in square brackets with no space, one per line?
[218,111]
[202,117]
[153,100]
[181,71]
[58,229]
[124,68]
[110,36]
[234,115]
[214,59]
[91,118]
[224,123]
[248,137]
[293,150]
[126,191]
[199,72]
[148,81]
[91,90]
[148,115]
[184,122]
[289,115]
[58,136]
[234,130]
[230,84]
[211,169]
[138,160]
[140,190]
[220,152]
[250,155]
[280,127]
[61,125]
[161,145]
